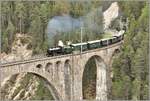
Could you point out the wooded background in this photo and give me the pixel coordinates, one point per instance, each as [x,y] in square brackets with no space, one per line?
[130,66]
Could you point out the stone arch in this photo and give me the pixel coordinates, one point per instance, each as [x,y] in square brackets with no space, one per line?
[58,68]
[47,82]
[58,64]
[39,66]
[50,86]
[116,51]
[67,79]
[48,67]
[100,78]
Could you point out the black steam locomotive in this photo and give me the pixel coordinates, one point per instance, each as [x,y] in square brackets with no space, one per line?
[85,46]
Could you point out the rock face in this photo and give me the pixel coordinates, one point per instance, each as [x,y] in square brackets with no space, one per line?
[21,49]
[27,86]
[66,23]
[23,86]
[110,14]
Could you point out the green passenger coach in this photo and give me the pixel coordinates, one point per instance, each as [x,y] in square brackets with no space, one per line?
[68,49]
[77,47]
[94,44]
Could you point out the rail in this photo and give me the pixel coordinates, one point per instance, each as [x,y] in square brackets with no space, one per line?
[54,57]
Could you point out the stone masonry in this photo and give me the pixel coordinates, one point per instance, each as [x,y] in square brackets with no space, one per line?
[64,73]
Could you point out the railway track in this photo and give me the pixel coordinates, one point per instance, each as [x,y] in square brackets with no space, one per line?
[42,57]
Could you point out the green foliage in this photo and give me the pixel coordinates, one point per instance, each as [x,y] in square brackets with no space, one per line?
[9,36]
[32,18]
[77,9]
[42,92]
[89,80]
[61,7]
[130,69]
[132,8]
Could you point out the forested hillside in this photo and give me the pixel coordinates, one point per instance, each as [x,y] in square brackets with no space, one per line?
[32,17]
[130,79]
[130,67]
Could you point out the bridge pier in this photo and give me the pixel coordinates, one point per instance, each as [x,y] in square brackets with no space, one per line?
[66,81]
[77,77]
[101,88]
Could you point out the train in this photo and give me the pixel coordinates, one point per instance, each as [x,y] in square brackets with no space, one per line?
[75,48]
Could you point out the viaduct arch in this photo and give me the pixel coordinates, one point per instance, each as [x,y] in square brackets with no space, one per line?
[100,69]
[64,73]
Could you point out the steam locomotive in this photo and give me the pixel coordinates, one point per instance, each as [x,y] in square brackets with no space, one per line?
[61,50]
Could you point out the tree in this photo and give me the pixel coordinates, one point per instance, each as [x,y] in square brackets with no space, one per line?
[21,15]
[133,61]
[61,7]
[10,32]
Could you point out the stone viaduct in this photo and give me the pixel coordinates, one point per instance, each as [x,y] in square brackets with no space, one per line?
[64,73]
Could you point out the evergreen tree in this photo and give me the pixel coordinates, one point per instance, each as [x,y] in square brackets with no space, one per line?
[20,16]
[133,60]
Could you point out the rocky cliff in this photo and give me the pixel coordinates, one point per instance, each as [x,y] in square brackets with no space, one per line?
[24,86]
[27,86]
[21,49]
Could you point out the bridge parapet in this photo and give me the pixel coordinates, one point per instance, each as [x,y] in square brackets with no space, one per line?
[57,70]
